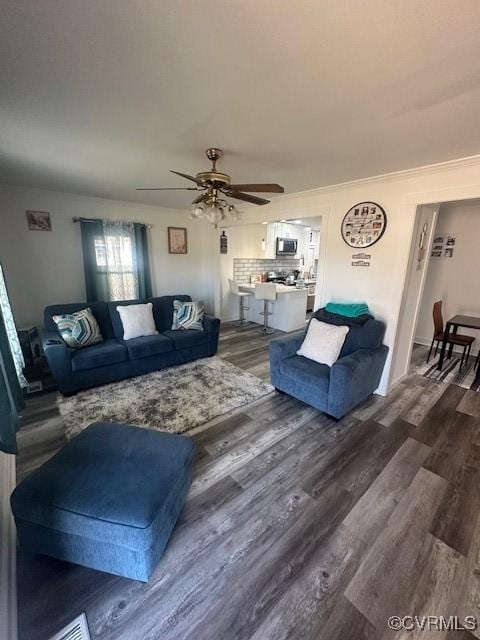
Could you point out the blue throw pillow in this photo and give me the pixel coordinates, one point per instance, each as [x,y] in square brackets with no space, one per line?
[188,315]
[79,329]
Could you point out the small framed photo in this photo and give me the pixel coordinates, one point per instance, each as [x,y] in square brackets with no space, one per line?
[177,240]
[39,220]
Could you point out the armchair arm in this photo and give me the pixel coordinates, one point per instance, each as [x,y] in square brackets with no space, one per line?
[353,378]
[281,349]
[285,347]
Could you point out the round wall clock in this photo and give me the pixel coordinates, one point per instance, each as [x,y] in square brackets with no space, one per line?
[364,224]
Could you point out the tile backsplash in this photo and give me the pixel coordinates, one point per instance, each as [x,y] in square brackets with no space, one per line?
[244,267]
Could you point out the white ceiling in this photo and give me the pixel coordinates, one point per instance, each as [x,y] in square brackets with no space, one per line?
[100,96]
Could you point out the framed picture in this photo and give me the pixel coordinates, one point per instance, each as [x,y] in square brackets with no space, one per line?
[39,220]
[177,240]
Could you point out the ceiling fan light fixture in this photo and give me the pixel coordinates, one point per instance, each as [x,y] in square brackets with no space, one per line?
[215,214]
[197,211]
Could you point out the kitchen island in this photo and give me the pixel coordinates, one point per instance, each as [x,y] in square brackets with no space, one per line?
[288,311]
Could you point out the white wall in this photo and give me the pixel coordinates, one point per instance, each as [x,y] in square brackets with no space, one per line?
[47,267]
[415,284]
[382,284]
[453,280]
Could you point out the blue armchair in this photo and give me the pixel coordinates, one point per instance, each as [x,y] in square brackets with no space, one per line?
[337,389]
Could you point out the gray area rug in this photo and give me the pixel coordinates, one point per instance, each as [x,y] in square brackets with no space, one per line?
[175,399]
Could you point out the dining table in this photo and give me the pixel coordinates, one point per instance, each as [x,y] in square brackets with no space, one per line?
[452,326]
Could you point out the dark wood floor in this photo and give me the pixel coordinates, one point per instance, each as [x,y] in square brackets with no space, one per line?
[295,527]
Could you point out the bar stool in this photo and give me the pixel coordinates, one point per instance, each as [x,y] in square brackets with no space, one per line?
[234,290]
[268,293]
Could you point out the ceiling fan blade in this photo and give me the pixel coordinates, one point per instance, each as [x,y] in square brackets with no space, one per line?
[166,189]
[260,188]
[231,193]
[185,175]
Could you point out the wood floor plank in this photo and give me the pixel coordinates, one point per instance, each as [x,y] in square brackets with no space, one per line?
[409,397]
[435,593]
[431,394]
[313,596]
[384,584]
[470,403]
[347,623]
[469,587]
[372,511]
[459,509]
[431,427]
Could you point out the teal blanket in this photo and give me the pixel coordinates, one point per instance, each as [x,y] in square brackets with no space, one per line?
[352,310]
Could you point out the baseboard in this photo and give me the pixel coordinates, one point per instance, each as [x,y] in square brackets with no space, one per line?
[8,551]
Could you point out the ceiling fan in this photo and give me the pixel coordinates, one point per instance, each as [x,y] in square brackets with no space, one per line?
[213,184]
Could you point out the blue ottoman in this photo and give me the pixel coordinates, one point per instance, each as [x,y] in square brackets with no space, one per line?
[108,500]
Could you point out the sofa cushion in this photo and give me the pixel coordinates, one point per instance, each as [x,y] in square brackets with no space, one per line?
[113,482]
[188,315]
[99,355]
[323,342]
[187,338]
[137,320]
[307,372]
[78,329]
[99,310]
[163,310]
[148,346]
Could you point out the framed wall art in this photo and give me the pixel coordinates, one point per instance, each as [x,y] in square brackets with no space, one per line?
[39,220]
[177,240]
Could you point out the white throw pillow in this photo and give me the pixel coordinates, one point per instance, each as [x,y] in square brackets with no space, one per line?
[323,342]
[137,320]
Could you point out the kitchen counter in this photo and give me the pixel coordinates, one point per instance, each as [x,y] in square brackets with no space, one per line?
[281,288]
[288,311]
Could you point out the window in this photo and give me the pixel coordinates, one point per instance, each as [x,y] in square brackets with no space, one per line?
[115,258]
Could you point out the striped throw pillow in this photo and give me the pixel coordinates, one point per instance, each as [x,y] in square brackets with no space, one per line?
[79,329]
[188,315]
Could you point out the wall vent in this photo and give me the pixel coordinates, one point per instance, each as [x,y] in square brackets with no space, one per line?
[75,630]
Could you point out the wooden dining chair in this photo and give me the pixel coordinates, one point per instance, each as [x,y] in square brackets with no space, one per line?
[453,338]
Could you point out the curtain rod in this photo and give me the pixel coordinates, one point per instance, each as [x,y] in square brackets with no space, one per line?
[149,226]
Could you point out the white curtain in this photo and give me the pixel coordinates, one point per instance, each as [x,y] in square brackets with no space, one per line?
[11,331]
[118,255]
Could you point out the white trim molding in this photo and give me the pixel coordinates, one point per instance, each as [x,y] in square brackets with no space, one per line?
[8,551]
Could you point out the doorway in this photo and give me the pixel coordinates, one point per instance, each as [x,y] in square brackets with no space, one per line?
[447,279]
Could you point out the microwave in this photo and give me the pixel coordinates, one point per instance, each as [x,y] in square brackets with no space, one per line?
[286,246]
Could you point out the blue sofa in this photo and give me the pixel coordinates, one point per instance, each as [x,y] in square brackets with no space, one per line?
[351,379]
[115,359]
